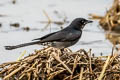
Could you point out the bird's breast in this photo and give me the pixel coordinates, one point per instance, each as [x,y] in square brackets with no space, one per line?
[63,44]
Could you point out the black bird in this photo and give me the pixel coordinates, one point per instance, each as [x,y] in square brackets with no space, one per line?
[60,39]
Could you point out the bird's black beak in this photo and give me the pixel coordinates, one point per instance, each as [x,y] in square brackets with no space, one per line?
[89,21]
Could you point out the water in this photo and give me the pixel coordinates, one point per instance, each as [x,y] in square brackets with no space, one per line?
[29,13]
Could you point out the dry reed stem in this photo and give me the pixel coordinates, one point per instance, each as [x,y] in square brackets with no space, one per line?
[51,21]
[15,71]
[104,68]
[81,73]
[22,54]
[58,59]
[94,16]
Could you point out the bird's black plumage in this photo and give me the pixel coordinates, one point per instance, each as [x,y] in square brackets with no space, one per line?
[60,39]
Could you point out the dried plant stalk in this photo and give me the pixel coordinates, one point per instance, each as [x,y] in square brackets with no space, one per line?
[111,20]
[51,64]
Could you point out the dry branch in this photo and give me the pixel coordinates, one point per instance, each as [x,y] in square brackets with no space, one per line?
[51,64]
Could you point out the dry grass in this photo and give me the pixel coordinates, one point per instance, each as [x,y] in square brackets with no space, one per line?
[111,21]
[54,64]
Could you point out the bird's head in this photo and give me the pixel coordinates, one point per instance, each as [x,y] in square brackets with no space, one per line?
[79,23]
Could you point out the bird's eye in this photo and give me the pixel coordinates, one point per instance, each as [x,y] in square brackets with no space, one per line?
[82,21]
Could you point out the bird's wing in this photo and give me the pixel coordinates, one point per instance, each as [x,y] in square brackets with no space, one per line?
[44,36]
[71,37]
[62,36]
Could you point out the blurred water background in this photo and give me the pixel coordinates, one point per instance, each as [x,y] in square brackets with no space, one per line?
[30,13]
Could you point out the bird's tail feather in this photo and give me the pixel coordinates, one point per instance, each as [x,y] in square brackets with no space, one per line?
[21,45]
